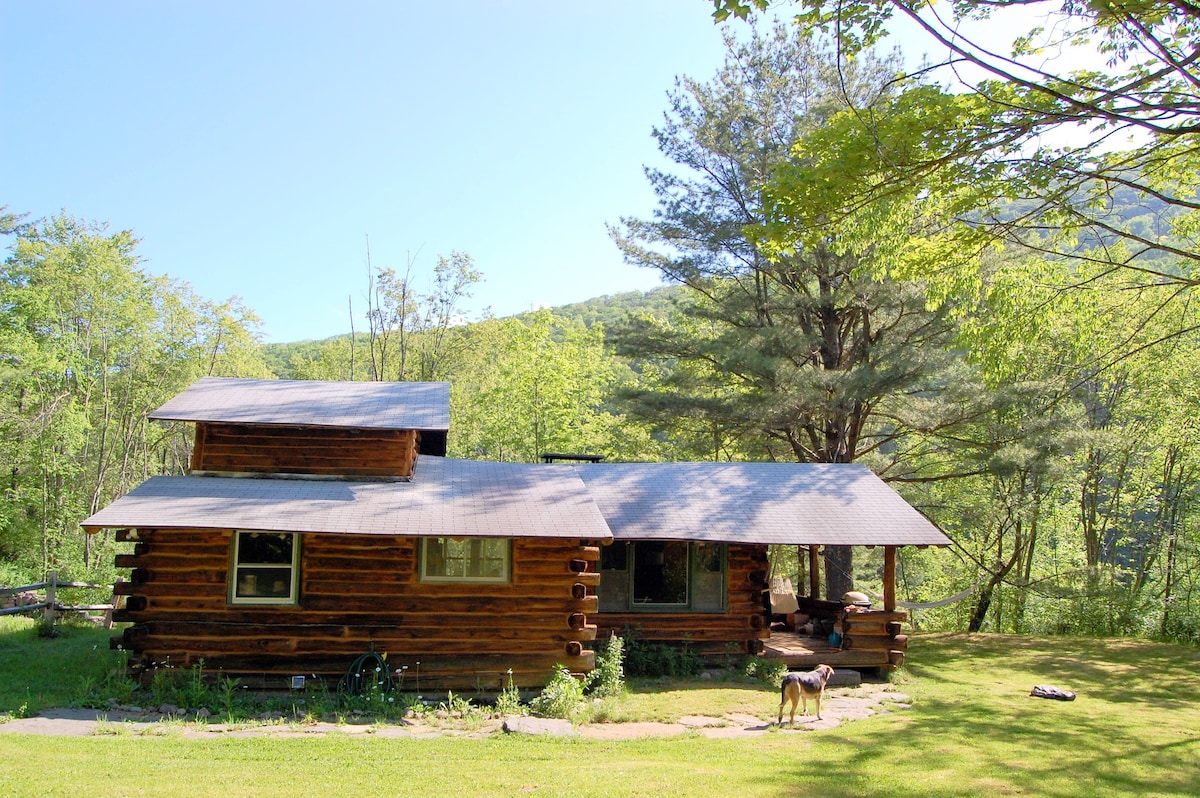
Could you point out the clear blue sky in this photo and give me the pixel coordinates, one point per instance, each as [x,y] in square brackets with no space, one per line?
[254,145]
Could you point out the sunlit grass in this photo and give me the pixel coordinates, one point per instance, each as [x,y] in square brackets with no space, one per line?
[39,672]
[973,730]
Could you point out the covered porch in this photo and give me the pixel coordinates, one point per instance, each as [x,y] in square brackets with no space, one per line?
[806,631]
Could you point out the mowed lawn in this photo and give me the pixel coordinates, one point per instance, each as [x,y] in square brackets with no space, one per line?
[973,729]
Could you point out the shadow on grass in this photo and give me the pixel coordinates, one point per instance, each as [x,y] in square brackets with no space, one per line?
[1134,729]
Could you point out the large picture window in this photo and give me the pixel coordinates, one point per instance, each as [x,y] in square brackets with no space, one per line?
[265,566]
[663,576]
[465,559]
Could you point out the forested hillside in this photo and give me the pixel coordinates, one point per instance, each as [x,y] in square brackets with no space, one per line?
[1020,359]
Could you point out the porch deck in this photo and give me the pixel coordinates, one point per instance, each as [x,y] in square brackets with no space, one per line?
[802,651]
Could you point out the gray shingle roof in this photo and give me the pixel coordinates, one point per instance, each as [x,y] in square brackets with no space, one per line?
[727,502]
[788,503]
[367,405]
[449,497]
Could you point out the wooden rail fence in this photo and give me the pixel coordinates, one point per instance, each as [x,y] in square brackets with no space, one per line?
[50,606]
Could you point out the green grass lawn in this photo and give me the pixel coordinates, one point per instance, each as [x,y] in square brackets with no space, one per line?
[39,672]
[973,730]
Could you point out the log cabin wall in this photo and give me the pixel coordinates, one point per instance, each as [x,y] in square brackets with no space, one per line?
[261,449]
[740,629]
[356,591]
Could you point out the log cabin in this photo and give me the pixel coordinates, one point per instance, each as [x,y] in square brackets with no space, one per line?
[322,520]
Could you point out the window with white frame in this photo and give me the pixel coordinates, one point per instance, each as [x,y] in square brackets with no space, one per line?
[265,568]
[465,559]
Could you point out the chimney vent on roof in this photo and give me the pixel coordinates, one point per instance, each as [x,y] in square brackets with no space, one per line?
[549,457]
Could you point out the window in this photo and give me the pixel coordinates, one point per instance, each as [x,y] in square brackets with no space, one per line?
[265,566]
[670,576]
[465,559]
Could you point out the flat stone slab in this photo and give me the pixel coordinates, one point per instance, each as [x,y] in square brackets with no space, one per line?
[63,722]
[845,677]
[549,726]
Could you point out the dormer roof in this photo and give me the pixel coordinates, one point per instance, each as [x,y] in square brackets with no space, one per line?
[422,406]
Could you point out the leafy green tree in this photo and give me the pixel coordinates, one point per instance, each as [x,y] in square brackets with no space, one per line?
[89,344]
[405,325]
[797,351]
[1017,149]
[1084,488]
[537,383]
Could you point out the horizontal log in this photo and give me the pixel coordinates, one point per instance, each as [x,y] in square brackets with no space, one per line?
[350,458]
[333,470]
[431,667]
[185,537]
[214,430]
[852,626]
[397,650]
[444,604]
[877,642]
[338,545]
[695,638]
[681,621]
[550,634]
[585,633]
[383,560]
[366,617]
[195,576]
[588,604]
[165,553]
[893,627]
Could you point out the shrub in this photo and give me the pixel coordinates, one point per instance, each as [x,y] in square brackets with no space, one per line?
[509,700]
[767,671]
[608,678]
[648,658]
[562,696]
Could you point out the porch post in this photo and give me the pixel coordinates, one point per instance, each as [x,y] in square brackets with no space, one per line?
[814,571]
[889,578]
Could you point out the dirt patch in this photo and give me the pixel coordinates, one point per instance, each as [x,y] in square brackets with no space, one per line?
[841,705]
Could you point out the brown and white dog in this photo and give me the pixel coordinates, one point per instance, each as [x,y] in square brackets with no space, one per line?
[799,687]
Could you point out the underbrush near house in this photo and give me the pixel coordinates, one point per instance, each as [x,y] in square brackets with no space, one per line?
[77,668]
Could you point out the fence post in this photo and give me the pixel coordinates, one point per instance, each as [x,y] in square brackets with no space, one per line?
[108,614]
[51,585]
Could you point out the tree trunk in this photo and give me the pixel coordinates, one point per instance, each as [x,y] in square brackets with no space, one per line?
[839,571]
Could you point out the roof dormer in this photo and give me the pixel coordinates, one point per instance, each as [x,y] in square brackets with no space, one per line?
[309,427]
